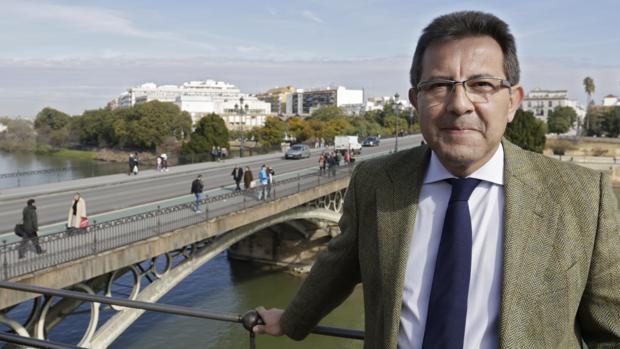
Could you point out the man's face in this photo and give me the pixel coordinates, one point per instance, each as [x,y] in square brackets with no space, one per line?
[465,135]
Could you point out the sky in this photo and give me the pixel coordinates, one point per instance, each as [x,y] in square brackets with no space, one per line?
[78,55]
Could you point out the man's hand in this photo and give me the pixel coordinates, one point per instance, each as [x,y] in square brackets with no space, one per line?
[271,318]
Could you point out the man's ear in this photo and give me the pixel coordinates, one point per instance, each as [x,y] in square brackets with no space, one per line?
[516,97]
[413,97]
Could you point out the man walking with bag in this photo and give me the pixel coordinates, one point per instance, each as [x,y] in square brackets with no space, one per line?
[31,226]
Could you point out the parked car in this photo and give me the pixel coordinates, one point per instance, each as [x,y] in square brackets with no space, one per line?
[297,151]
[371,141]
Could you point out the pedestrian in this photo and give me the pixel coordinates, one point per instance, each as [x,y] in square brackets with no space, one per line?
[77,213]
[31,227]
[218,151]
[270,174]
[131,163]
[197,188]
[237,174]
[214,153]
[158,167]
[263,179]
[331,164]
[224,152]
[322,163]
[247,178]
[135,163]
[346,157]
[164,162]
[529,260]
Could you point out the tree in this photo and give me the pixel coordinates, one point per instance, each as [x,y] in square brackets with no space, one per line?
[210,132]
[148,125]
[272,133]
[19,135]
[96,128]
[526,131]
[611,122]
[594,121]
[588,86]
[51,119]
[561,119]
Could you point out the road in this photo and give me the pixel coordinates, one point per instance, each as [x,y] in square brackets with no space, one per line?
[117,193]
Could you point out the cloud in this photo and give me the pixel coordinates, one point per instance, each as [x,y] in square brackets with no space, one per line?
[93,19]
[311,16]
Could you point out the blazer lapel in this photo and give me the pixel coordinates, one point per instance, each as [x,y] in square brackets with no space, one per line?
[529,217]
[397,202]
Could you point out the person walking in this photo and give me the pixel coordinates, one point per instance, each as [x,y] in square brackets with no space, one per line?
[248,177]
[197,188]
[270,174]
[263,178]
[164,162]
[322,162]
[135,163]
[31,226]
[237,174]
[77,213]
[158,168]
[131,163]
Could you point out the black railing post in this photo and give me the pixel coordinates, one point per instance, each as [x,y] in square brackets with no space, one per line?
[158,220]
[298,183]
[5,264]
[94,237]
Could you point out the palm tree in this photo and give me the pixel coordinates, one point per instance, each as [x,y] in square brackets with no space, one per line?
[588,85]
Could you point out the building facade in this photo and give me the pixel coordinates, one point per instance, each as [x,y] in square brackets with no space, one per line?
[543,102]
[277,98]
[199,98]
[304,102]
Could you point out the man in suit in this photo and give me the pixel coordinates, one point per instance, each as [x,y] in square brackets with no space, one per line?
[528,258]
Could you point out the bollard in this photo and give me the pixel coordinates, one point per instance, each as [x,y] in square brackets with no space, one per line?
[298,183]
[94,238]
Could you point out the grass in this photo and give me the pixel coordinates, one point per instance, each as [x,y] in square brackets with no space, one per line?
[73,154]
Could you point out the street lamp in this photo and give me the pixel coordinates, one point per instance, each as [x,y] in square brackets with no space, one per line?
[242,110]
[397,109]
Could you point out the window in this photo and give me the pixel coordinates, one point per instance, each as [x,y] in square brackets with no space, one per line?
[550,103]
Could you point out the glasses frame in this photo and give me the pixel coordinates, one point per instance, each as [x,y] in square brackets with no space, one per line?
[503,83]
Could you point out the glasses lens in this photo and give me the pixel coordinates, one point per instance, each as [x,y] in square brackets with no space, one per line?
[480,89]
[435,91]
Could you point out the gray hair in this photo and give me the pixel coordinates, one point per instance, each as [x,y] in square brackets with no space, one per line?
[459,25]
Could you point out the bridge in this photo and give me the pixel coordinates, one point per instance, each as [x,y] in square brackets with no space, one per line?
[154,245]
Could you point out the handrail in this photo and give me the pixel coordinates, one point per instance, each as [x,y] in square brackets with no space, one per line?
[248,320]
[34,342]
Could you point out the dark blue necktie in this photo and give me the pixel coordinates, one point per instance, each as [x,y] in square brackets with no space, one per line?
[447,307]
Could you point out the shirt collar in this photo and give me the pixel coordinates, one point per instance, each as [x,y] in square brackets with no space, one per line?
[492,171]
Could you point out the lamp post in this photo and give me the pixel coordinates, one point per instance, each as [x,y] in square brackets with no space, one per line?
[242,110]
[397,109]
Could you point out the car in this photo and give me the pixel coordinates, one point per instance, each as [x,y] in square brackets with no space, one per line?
[371,142]
[297,151]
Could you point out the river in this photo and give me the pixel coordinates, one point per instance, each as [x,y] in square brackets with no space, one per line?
[220,285]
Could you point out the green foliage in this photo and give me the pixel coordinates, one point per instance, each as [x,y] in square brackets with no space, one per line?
[328,112]
[526,131]
[611,122]
[96,128]
[51,119]
[210,132]
[272,133]
[593,122]
[147,125]
[19,135]
[561,119]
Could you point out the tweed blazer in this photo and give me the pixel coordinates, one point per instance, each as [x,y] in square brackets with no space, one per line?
[561,266]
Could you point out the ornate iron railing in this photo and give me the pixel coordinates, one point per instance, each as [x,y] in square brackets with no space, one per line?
[248,320]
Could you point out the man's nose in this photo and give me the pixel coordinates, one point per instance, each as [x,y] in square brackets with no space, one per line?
[458,102]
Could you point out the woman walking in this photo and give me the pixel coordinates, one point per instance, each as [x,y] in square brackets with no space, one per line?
[77,213]
[247,178]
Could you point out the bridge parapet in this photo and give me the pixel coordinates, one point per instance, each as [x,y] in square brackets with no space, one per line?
[106,247]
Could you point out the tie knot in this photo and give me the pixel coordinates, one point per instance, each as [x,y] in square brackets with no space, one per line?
[462,188]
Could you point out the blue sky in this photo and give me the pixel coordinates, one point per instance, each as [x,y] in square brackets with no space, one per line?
[77,55]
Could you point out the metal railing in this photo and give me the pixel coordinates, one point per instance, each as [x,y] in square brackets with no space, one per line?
[66,246]
[248,320]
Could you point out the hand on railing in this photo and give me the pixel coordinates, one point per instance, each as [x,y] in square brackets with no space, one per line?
[268,321]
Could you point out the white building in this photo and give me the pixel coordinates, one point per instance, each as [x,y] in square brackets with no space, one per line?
[542,102]
[303,102]
[611,101]
[200,98]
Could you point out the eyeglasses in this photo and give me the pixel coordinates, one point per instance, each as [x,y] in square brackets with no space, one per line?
[478,90]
